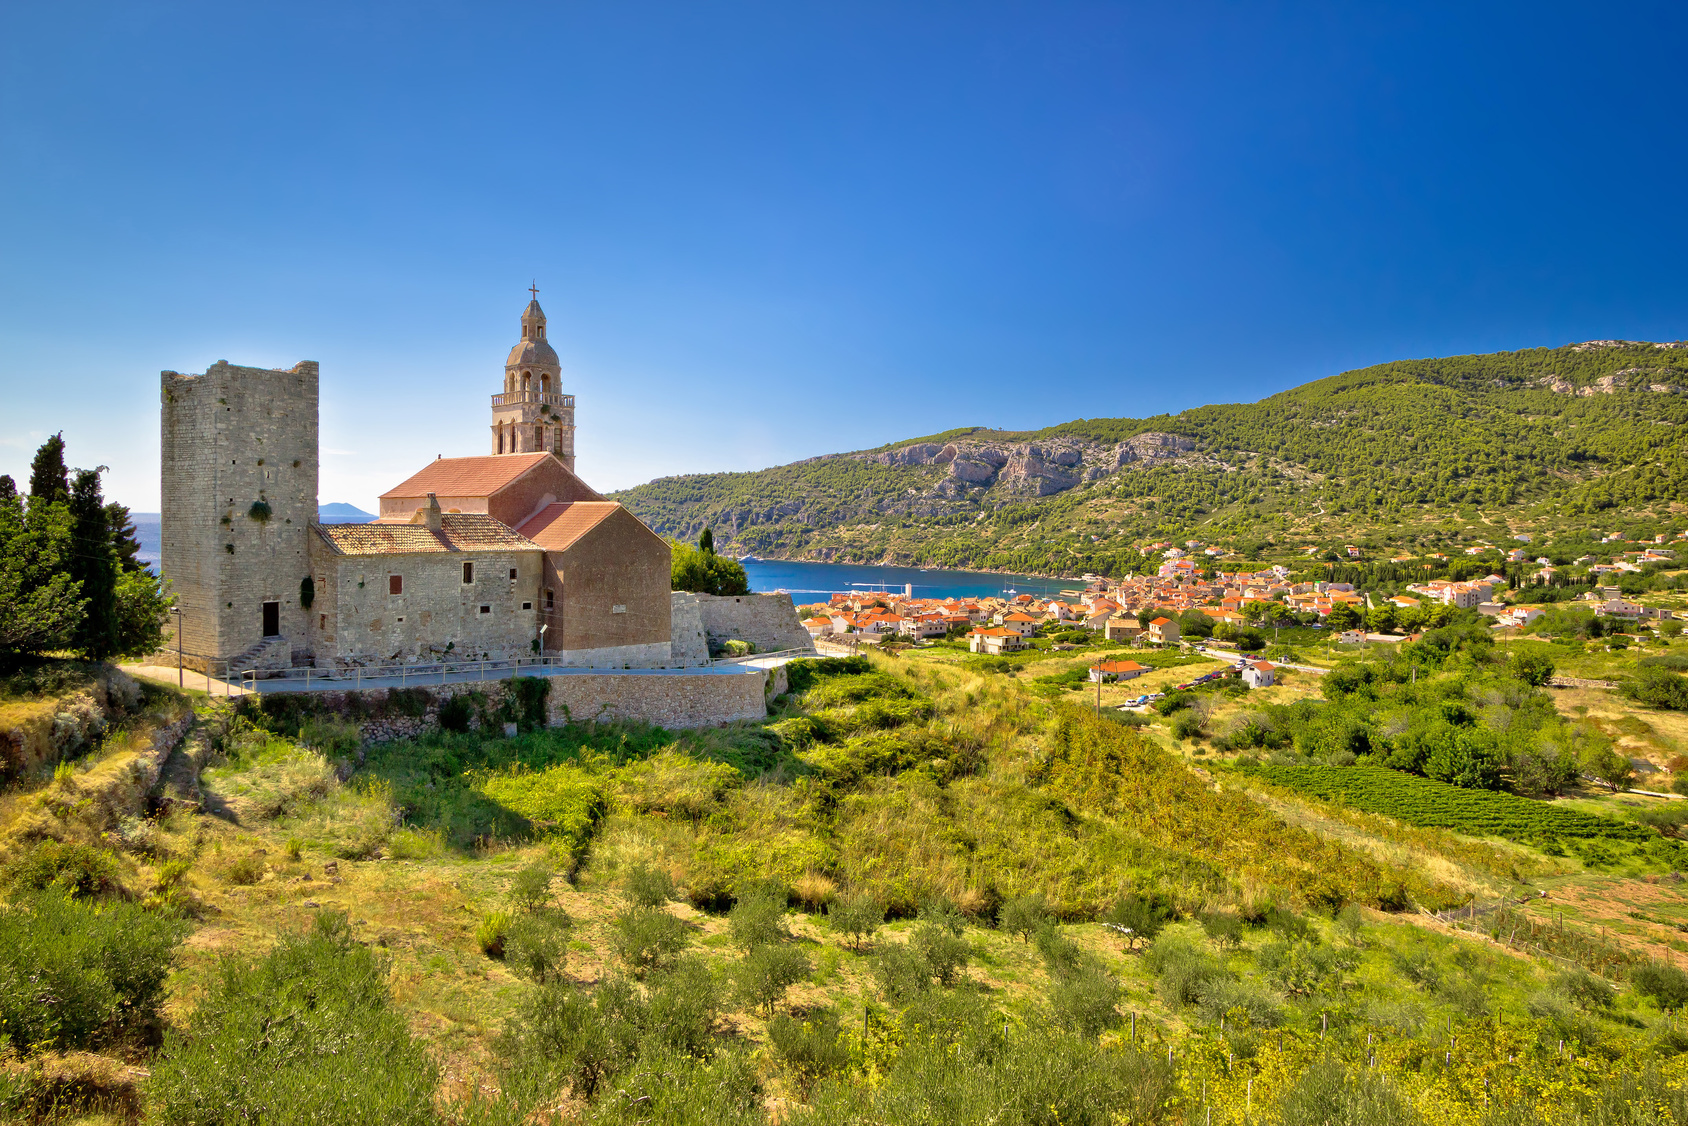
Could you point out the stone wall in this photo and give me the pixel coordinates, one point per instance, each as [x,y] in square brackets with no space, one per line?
[357,620]
[767,621]
[232,439]
[673,700]
[690,644]
[39,733]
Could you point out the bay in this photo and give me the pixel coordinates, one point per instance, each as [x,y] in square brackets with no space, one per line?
[815,582]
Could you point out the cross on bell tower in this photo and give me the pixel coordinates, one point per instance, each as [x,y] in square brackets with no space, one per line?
[532,414]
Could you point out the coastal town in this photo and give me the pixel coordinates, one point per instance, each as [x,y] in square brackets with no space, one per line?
[1149,609]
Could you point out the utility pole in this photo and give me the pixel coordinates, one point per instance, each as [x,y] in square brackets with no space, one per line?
[177,610]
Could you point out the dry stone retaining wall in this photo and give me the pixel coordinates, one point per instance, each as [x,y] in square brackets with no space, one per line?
[673,700]
[767,621]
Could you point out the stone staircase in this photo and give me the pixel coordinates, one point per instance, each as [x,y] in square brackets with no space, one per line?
[270,653]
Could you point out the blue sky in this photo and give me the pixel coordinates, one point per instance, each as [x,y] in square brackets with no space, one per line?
[768,231]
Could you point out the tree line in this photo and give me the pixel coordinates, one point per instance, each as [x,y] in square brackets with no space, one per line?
[70,578]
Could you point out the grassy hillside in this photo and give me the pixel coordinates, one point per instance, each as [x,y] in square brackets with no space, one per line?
[928,888]
[1542,438]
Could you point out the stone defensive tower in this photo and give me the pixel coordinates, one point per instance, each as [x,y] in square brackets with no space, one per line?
[239,498]
[532,414]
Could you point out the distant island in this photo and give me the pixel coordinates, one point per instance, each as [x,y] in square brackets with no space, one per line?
[339,512]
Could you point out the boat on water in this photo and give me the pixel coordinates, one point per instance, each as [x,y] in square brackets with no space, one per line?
[748,559]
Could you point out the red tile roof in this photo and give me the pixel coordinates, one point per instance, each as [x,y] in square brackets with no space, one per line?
[1117,666]
[466,476]
[468,531]
[1161,621]
[557,527]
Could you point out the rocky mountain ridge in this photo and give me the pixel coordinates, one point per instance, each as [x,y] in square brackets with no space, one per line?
[1031,469]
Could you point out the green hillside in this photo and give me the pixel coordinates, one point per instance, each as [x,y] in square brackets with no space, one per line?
[1409,452]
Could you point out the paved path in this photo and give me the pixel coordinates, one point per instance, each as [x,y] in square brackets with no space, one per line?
[195,681]
[346,683]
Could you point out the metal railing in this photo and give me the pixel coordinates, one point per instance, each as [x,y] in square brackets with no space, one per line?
[438,671]
[515,398]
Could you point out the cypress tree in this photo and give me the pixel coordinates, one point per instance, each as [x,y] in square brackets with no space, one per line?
[94,564]
[706,542]
[47,476]
[123,539]
[8,488]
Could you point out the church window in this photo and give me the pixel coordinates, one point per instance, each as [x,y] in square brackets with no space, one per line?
[500,437]
[395,584]
[468,572]
[485,609]
[549,601]
[527,605]
[539,437]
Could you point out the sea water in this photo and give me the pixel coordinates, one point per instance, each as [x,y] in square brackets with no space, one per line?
[815,582]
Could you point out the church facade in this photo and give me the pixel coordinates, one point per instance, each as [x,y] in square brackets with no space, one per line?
[501,555]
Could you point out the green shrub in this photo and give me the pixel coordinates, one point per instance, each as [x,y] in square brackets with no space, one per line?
[973,1074]
[1658,688]
[1023,915]
[757,920]
[666,1089]
[75,974]
[491,932]
[1137,919]
[901,973]
[530,888]
[564,1037]
[937,939]
[764,974]
[525,697]
[1329,1092]
[246,869]
[1223,930]
[536,943]
[456,714]
[1183,971]
[1241,1002]
[78,870]
[305,1034]
[812,1048]
[648,886]
[410,702]
[648,938]
[1586,991]
[415,844]
[1085,1002]
[683,1007]
[1061,954]
[802,675]
[1187,725]
[1665,984]
[855,918]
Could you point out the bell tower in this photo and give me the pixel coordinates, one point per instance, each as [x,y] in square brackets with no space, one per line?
[532,414]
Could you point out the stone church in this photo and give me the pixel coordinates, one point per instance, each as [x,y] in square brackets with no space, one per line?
[507,554]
